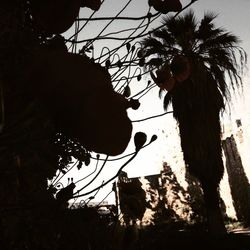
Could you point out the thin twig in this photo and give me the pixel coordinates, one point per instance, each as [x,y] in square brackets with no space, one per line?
[111,179]
[79,190]
[152,117]
[118,18]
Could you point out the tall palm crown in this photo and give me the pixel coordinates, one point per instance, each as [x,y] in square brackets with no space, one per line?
[213,55]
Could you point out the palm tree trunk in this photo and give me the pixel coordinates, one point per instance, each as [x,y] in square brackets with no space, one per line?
[215,221]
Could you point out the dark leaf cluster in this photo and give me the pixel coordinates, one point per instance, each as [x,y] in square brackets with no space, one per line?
[69,150]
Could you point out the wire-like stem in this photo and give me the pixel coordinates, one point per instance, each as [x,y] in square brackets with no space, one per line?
[152,117]
[118,18]
[111,179]
[124,156]
[85,177]
[119,171]
[54,182]
[146,91]
[85,24]
[92,197]
[110,22]
[105,161]
[104,198]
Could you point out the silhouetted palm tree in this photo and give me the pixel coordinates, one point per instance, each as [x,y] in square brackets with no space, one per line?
[198,65]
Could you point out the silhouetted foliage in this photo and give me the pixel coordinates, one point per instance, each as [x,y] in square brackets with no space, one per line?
[170,198]
[47,91]
[196,199]
[58,104]
[132,199]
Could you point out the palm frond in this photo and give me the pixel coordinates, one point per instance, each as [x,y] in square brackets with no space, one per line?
[208,18]
[151,46]
[167,100]
[223,40]
[165,36]
[155,62]
[227,61]
[151,42]
[219,75]
[206,28]
[187,21]
[180,25]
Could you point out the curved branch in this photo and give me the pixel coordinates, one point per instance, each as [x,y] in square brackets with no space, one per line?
[85,177]
[153,138]
[54,182]
[119,18]
[126,5]
[154,116]
[94,176]
[111,179]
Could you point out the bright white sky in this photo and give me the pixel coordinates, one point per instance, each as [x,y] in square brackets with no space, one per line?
[234,16]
